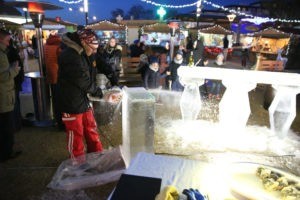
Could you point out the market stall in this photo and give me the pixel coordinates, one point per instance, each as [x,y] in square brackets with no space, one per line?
[213,40]
[267,43]
[50,26]
[106,29]
[158,34]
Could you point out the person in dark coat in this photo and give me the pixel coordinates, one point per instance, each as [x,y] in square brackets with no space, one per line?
[13,56]
[75,82]
[198,52]
[136,49]
[189,45]
[109,61]
[199,61]
[143,66]
[34,45]
[152,75]
[225,47]
[176,63]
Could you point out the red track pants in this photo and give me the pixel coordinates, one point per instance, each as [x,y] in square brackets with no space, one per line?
[79,127]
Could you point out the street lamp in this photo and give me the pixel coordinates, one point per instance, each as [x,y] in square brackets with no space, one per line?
[161,12]
[26,14]
[40,89]
[86,10]
[198,12]
[230,17]
[173,25]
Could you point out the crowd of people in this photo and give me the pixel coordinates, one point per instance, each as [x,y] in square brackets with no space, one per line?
[159,71]
[72,62]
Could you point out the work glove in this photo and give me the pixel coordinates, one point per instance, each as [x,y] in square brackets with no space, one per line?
[168,193]
[193,194]
[190,195]
[198,195]
[98,93]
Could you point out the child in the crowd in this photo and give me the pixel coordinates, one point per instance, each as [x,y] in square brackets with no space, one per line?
[220,59]
[175,64]
[152,75]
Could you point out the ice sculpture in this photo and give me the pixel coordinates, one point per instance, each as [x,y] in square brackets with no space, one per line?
[234,106]
[190,102]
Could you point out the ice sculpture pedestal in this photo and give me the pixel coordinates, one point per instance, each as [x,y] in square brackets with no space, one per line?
[138,109]
[234,108]
[282,110]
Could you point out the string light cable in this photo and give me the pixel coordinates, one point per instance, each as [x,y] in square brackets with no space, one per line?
[71,2]
[170,6]
[222,8]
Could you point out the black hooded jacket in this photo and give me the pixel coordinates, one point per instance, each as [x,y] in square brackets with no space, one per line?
[75,79]
[198,53]
[109,63]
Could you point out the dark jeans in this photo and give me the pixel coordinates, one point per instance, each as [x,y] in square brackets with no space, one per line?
[17,112]
[216,87]
[176,85]
[57,113]
[6,134]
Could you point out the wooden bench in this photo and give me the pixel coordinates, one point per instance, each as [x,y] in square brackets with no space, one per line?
[270,65]
[129,73]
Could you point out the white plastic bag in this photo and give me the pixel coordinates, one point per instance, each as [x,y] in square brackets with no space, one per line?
[98,169]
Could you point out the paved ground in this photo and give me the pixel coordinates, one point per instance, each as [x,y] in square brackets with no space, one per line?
[44,149]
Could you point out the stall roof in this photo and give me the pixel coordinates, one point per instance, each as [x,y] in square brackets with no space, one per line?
[216,29]
[136,23]
[50,24]
[271,33]
[106,25]
[14,19]
[157,27]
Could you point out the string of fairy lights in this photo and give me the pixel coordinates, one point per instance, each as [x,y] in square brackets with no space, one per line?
[71,2]
[222,8]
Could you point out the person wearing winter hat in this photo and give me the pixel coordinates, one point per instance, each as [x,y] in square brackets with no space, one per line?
[175,64]
[73,86]
[152,75]
[136,49]
[109,61]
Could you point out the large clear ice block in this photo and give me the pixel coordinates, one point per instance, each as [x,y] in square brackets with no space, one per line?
[138,113]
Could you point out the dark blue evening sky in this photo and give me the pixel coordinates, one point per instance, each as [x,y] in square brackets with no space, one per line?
[102,8]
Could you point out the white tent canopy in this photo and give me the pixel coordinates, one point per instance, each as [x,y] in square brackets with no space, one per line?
[15,19]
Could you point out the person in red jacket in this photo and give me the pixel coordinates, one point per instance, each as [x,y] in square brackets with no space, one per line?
[51,51]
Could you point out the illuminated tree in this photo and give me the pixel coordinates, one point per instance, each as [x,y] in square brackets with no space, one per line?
[116,12]
[288,9]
